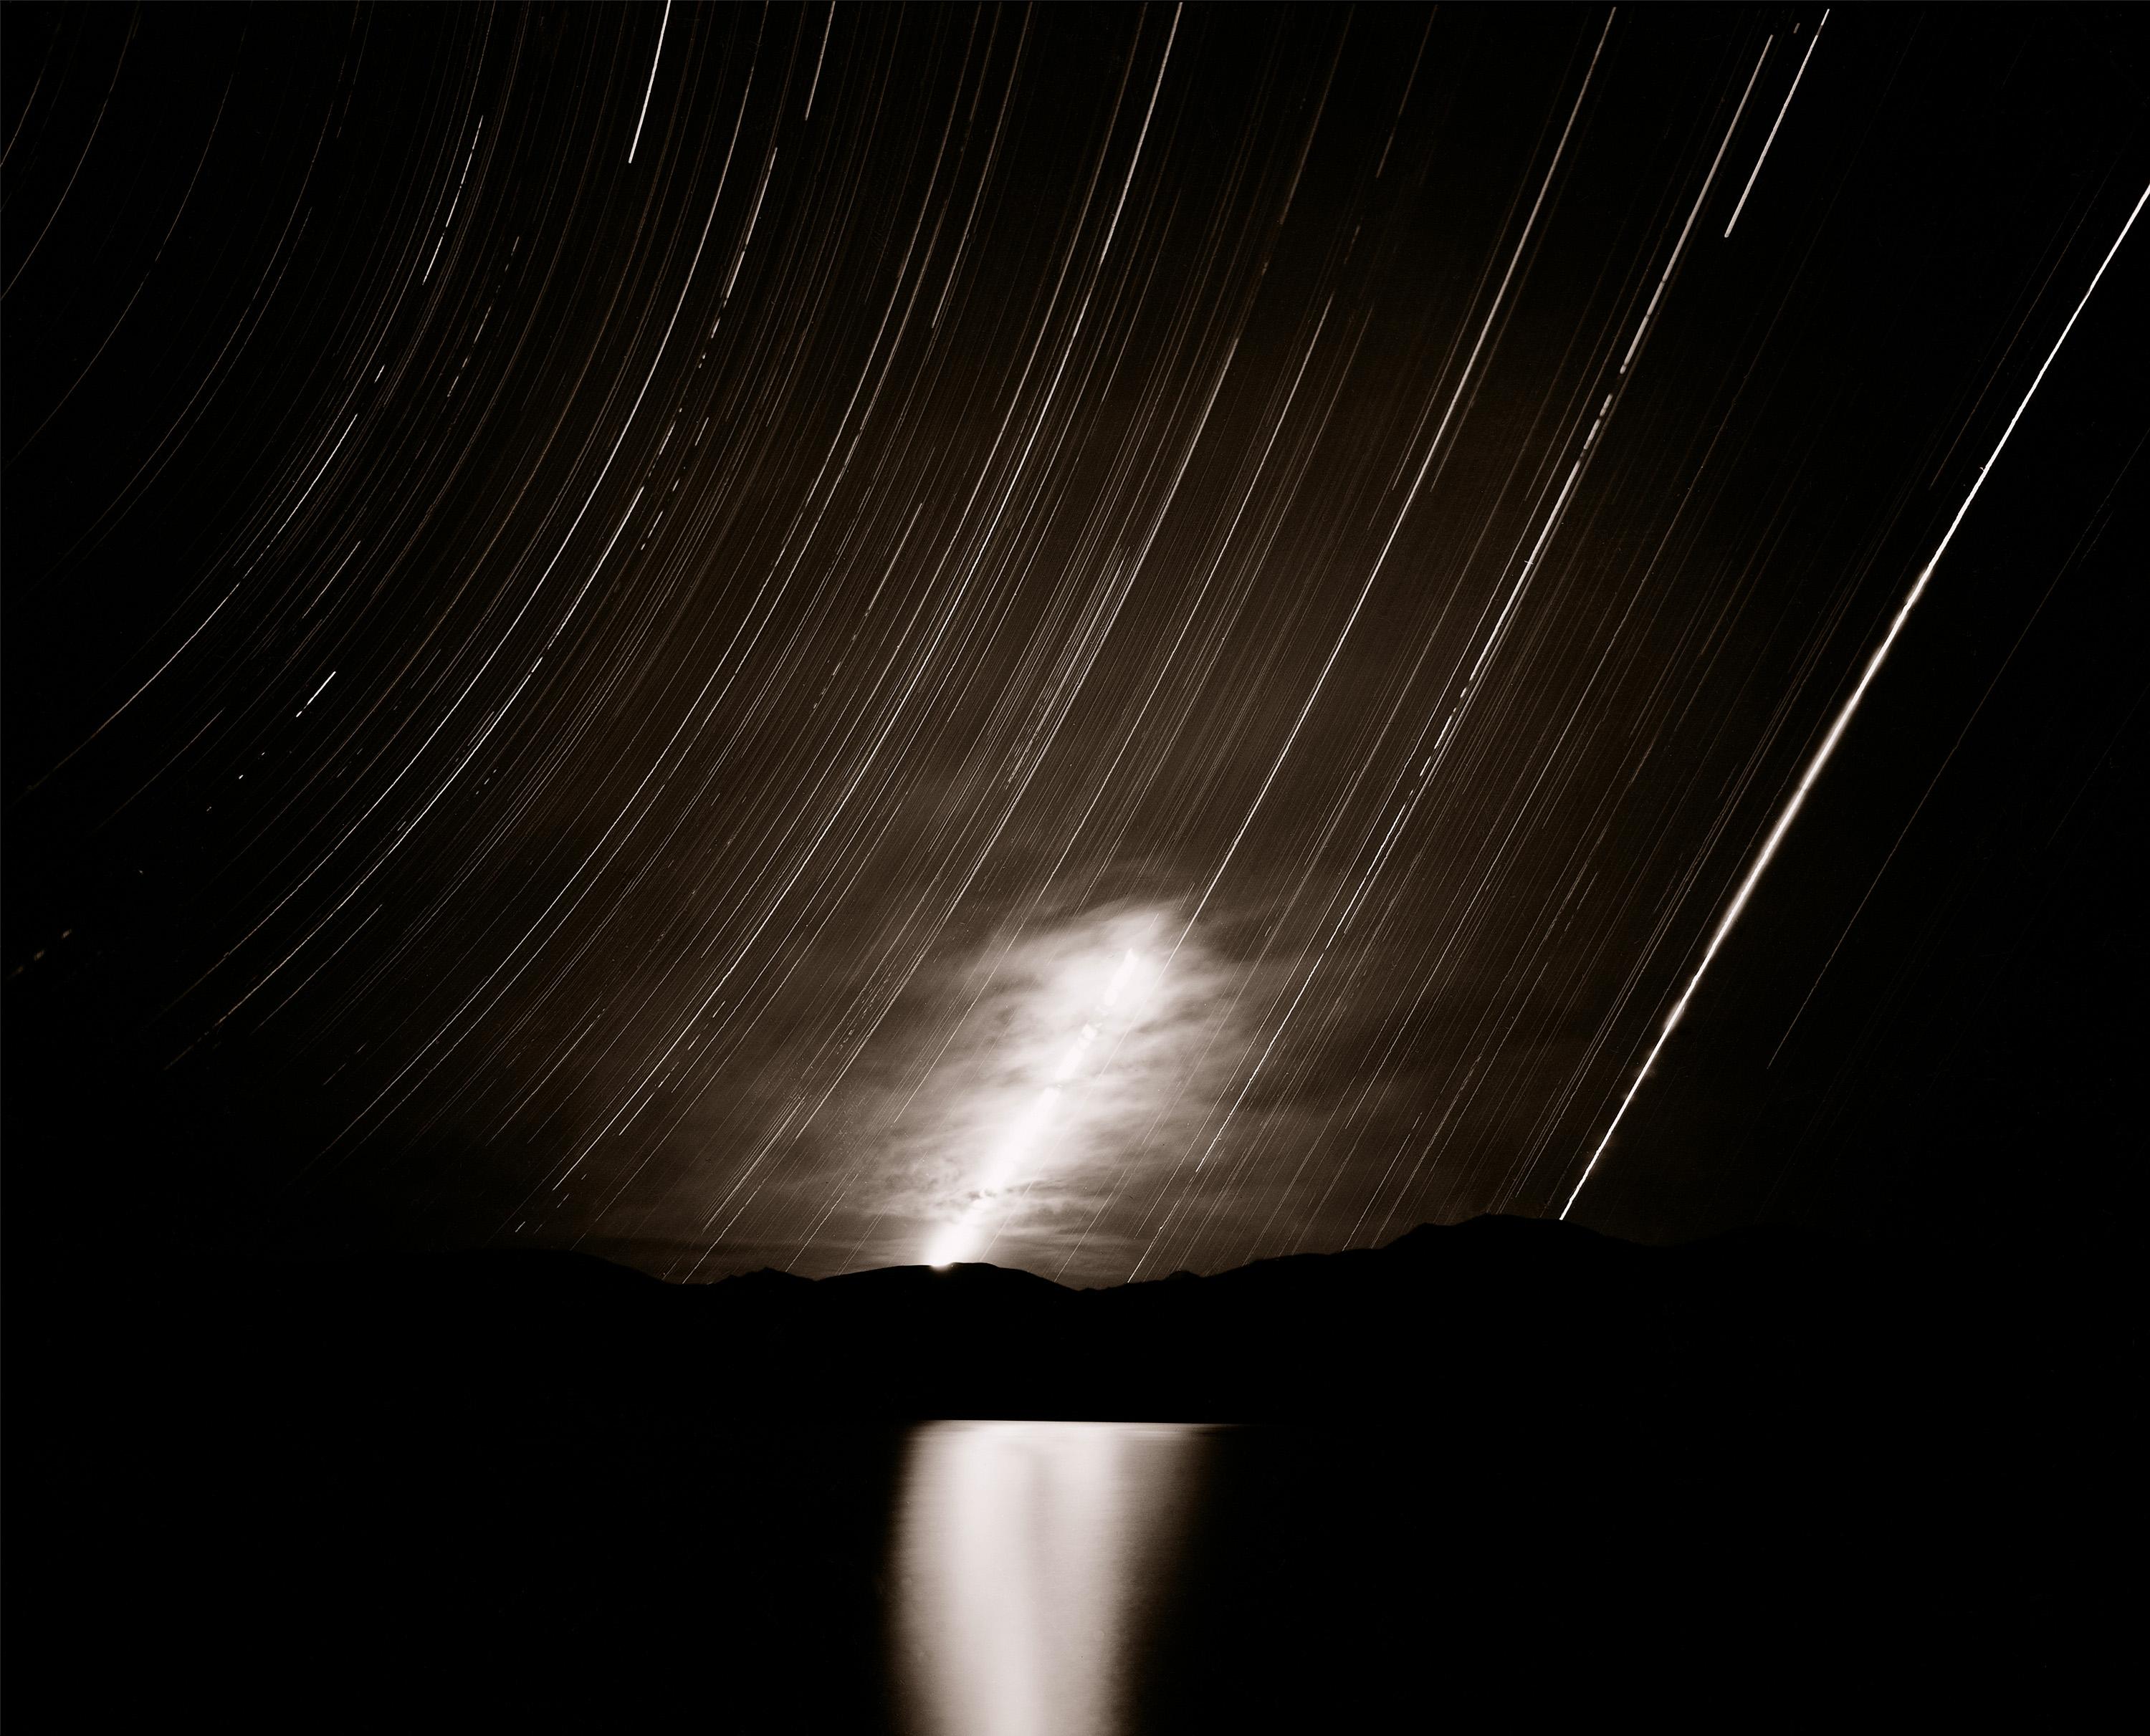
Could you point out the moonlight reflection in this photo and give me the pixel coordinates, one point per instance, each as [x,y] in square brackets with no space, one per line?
[1029,1553]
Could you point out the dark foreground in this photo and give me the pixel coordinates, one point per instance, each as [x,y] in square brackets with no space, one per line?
[1505,1475]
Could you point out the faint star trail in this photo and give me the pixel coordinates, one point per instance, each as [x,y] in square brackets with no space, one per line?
[624,697]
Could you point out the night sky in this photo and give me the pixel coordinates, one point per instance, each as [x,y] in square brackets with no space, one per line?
[1106,639]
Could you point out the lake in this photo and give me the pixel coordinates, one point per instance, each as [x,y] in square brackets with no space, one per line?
[1468,1571]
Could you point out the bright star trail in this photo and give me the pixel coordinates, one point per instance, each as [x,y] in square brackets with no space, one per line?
[1837,727]
[1106,639]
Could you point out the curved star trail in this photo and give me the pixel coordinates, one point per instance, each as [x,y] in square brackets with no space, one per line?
[626,626]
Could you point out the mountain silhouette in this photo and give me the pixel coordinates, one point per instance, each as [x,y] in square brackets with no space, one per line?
[1771,1471]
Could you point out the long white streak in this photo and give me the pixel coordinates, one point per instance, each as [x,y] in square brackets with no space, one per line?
[827,25]
[1843,718]
[1142,138]
[652,84]
[59,764]
[1755,174]
[1941,771]
[1715,163]
[311,487]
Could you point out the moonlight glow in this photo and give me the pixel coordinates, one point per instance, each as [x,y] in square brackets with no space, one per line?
[1014,1164]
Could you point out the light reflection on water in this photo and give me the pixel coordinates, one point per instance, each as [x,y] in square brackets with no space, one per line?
[1028,1556]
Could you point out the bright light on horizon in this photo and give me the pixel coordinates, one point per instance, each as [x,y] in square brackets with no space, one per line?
[1017,1160]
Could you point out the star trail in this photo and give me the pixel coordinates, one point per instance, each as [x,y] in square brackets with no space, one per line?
[1116,639]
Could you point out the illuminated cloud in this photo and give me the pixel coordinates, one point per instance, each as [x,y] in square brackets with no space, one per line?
[1084,1068]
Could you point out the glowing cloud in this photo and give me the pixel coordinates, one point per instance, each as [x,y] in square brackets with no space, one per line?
[1023,1152]
[1082,1056]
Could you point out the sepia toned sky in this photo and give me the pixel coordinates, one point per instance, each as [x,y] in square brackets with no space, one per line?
[1110,639]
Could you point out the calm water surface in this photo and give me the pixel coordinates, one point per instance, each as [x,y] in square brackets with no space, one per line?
[1485,1574]
[1482,1568]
